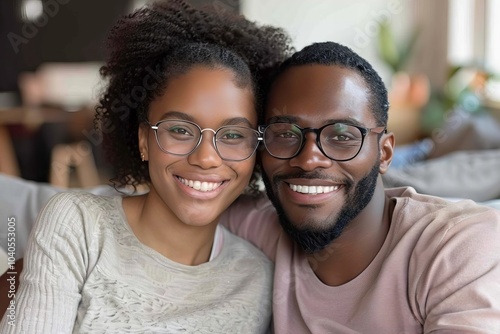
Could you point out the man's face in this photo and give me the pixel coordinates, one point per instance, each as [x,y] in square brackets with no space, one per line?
[312,96]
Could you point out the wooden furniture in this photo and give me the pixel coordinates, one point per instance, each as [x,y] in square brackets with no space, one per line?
[65,157]
[8,159]
[6,289]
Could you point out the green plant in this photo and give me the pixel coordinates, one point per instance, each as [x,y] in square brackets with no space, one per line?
[395,54]
[463,89]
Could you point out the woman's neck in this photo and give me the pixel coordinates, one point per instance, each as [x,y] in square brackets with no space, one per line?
[156,227]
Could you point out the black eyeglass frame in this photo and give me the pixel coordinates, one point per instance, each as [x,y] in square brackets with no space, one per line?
[155,128]
[364,132]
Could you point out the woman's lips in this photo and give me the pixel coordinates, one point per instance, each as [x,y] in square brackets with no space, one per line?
[202,186]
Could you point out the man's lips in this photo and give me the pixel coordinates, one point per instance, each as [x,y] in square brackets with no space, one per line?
[306,192]
[313,189]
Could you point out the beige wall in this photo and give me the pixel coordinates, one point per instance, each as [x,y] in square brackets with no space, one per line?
[354,23]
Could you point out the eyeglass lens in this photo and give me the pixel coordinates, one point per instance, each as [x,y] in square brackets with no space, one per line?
[183,137]
[338,141]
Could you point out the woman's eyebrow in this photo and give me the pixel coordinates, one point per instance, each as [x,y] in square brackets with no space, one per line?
[187,117]
[176,115]
[238,121]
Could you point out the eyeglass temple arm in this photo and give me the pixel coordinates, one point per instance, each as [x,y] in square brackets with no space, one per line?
[378,130]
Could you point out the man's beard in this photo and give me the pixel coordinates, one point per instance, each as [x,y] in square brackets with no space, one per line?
[313,239]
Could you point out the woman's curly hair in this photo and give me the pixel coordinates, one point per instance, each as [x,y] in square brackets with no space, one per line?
[161,41]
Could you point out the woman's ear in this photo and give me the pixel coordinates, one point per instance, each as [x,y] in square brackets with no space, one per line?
[387,142]
[143,136]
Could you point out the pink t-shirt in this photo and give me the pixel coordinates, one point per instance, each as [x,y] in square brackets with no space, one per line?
[438,270]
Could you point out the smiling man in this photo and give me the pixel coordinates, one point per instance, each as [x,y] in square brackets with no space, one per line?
[351,256]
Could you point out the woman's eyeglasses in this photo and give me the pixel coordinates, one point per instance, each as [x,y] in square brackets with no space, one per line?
[231,142]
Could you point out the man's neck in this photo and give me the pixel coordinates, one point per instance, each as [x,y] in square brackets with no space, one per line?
[351,253]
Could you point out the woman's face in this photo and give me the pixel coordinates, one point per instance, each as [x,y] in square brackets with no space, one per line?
[198,187]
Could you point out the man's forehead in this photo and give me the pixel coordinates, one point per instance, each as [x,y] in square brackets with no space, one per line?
[318,91]
[315,71]
[313,78]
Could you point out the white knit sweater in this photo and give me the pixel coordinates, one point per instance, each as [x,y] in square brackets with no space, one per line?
[86,272]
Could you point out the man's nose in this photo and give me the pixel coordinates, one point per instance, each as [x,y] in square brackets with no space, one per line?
[310,157]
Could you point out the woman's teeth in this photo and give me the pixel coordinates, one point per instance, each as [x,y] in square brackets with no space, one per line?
[314,190]
[200,185]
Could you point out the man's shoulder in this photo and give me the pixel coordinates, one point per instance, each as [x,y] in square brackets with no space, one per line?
[241,250]
[255,210]
[237,245]
[254,219]
[408,199]
[254,202]
[451,255]
[427,222]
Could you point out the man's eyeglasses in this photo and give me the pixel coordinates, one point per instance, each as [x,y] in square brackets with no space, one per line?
[232,142]
[337,141]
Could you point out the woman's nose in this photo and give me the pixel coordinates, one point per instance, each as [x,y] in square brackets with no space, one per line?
[205,155]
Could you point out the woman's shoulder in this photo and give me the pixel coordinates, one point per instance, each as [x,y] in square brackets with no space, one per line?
[77,210]
[83,200]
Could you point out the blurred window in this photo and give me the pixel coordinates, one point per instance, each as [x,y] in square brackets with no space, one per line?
[473,32]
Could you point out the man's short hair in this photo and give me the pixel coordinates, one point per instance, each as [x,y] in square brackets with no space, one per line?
[331,53]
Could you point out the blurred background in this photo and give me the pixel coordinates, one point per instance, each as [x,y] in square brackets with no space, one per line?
[440,60]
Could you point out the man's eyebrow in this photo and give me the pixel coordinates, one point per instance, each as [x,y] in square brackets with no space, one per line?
[348,121]
[282,119]
[293,119]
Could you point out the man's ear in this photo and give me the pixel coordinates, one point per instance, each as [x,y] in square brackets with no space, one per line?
[143,136]
[387,142]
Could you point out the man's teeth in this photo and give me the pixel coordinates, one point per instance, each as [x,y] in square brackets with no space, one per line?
[313,189]
[201,186]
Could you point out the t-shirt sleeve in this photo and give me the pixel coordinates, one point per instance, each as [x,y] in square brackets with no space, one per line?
[459,291]
[54,271]
[255,220]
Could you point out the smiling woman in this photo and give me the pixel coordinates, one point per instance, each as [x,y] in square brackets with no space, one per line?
[179,114]
[184,162]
